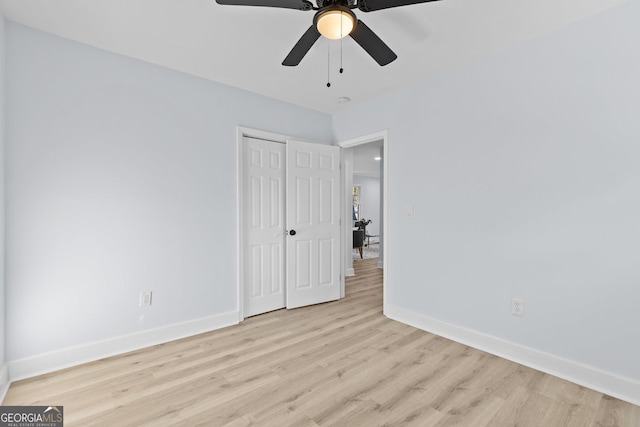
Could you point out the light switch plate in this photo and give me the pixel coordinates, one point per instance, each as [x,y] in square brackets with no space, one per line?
[408,211]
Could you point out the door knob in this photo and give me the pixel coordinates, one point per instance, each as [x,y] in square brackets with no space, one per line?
[292,232]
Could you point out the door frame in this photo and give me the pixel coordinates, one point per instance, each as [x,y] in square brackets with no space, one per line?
[346,225]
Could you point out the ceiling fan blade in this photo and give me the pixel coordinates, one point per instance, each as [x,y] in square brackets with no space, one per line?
[371,5]
[288,4]
[372,44]
[302,47]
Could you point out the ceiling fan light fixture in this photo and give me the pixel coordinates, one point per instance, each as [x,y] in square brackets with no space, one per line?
[335,23]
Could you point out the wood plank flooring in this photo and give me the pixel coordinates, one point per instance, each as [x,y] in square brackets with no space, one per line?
[335,364]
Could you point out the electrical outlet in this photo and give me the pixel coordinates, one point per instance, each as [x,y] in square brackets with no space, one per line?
[517,306]
[145,299]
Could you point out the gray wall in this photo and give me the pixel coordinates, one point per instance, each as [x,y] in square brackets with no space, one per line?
[2,190]
[120,179]
[523,172]
[370,201]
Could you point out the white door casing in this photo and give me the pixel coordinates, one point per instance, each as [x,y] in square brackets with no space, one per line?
[313,223]
[263,201]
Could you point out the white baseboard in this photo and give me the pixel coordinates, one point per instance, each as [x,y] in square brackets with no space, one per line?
[350,272]
[609,383]
[4,381]
[48,362]
[381,264]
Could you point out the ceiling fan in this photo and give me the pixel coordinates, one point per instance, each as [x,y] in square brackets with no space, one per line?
[334,19]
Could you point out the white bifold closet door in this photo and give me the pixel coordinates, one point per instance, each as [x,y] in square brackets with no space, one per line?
[291,225]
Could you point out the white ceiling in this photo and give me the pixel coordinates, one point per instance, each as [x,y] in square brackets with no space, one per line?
[244,46]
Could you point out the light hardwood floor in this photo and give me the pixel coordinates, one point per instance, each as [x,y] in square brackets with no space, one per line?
[334,364]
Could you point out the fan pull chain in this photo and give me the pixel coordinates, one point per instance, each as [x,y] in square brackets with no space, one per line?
[341,39]
[341,69]
[328,63]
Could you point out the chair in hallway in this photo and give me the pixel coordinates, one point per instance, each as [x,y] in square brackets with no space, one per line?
[358,240]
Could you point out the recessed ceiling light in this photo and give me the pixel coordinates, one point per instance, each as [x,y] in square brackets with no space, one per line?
[343,100]
[377,158]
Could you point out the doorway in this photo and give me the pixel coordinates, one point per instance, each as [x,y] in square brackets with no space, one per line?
[378,143]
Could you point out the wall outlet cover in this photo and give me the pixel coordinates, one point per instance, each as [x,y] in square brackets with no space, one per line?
[517,306]
[145,299]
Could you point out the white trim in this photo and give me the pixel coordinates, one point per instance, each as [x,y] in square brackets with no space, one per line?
[377,136]
[346,207]
[239,226]
[261,134]
[4,382]
[73,356]
[609,383]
